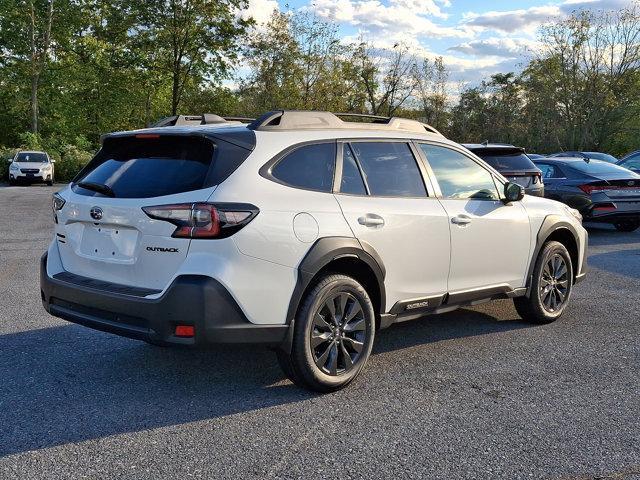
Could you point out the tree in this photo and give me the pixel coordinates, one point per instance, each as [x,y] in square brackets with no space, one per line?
[190,41]
[25,33]
[431,92]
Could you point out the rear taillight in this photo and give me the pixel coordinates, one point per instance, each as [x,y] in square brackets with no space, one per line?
[57,202]
[204,220]
[588,189]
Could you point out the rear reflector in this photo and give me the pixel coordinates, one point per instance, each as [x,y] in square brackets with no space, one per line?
[185,331]
[605,207]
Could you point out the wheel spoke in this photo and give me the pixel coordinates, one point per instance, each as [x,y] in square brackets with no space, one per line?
[319,338]
[342,299]
[331,306]
[355,344]
[559,295]
[348,362]
[562,270]
[332,362]
[355,326]
[353,310]
[563,283]
[322,359]
[320,322]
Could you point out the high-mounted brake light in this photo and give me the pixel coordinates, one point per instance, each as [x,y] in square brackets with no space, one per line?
[204,220]
[147,135]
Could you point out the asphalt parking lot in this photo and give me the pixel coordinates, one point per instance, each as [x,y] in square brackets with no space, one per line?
[475,393]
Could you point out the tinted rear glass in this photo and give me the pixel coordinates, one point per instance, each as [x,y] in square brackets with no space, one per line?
[598,167]
[149,167]
[31,157]
[309,167]
[602,156]
[515,161]
[390,169]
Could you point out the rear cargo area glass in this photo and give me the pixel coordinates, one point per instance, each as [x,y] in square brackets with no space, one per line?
[144,167]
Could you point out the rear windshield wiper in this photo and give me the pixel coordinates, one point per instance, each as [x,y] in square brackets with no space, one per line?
[98,187]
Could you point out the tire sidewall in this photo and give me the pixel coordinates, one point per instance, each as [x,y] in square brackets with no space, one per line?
[549,250]
[304,326]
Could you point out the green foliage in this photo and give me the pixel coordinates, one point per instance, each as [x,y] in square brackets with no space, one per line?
[118,65]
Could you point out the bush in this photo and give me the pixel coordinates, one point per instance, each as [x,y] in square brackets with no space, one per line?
[71,161]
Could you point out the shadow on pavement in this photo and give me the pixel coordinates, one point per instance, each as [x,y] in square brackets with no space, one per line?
[69,384]
[608,235]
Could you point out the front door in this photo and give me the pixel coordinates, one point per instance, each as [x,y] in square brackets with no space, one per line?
[490,241]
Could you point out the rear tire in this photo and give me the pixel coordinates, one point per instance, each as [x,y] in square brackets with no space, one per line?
[333,335]
[627,225]
[551,286]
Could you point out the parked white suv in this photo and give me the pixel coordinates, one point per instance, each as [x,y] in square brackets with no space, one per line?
[302,231]
[30,167]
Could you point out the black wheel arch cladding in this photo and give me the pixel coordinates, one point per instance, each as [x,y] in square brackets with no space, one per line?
[328,250]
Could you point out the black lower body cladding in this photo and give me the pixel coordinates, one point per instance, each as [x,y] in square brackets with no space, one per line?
[194,300]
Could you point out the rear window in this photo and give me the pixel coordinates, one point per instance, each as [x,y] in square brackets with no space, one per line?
[31,157]
[514,161]
[602,156]
[149,167]
[598,167]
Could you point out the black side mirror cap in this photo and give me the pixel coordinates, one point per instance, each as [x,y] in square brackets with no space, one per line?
[513,192]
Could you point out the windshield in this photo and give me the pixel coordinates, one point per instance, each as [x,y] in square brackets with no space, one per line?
[514,161]
[602,156]
[32,157]
[598,167]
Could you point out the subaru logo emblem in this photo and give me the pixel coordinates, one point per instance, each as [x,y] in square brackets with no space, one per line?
[96,213]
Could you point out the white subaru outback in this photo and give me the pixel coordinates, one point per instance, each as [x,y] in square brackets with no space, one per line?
[302,231]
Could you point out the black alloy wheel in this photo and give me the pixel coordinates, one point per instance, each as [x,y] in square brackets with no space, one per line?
[338,333]
[554,283]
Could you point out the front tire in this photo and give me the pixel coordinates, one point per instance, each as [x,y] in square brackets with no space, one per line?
[627,225]
[550,286]
[333,335]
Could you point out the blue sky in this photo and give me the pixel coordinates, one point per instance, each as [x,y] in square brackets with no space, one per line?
[475,38]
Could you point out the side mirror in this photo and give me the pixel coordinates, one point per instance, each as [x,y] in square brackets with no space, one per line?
[513,192]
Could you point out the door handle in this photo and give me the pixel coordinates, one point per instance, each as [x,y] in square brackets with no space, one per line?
[461,220]
[371,220]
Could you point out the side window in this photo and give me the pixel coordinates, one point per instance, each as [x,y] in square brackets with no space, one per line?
[633,163]
[459,176]
[389,169]
[352,182]
[310,167]
[546,169]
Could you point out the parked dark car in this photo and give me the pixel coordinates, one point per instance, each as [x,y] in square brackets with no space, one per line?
[600,191]
[605,157]
[631,161]
[512,162]
[534,156]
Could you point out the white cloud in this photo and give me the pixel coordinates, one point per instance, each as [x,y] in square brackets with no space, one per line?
[408,17]
[531,18]
[260,11]
[497,47]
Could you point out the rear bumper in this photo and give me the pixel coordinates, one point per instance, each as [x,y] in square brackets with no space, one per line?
[195,300]
[23,177]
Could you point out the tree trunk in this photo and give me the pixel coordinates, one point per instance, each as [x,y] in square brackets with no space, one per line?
[35,80]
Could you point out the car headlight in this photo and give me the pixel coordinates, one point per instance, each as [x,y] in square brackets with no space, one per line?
[13,166]
[574,213]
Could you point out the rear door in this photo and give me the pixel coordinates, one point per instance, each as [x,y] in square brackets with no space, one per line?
[104,233]
[490,241]
[384,199]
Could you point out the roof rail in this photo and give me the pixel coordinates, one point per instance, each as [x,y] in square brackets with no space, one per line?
[279,120]
[204,119]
